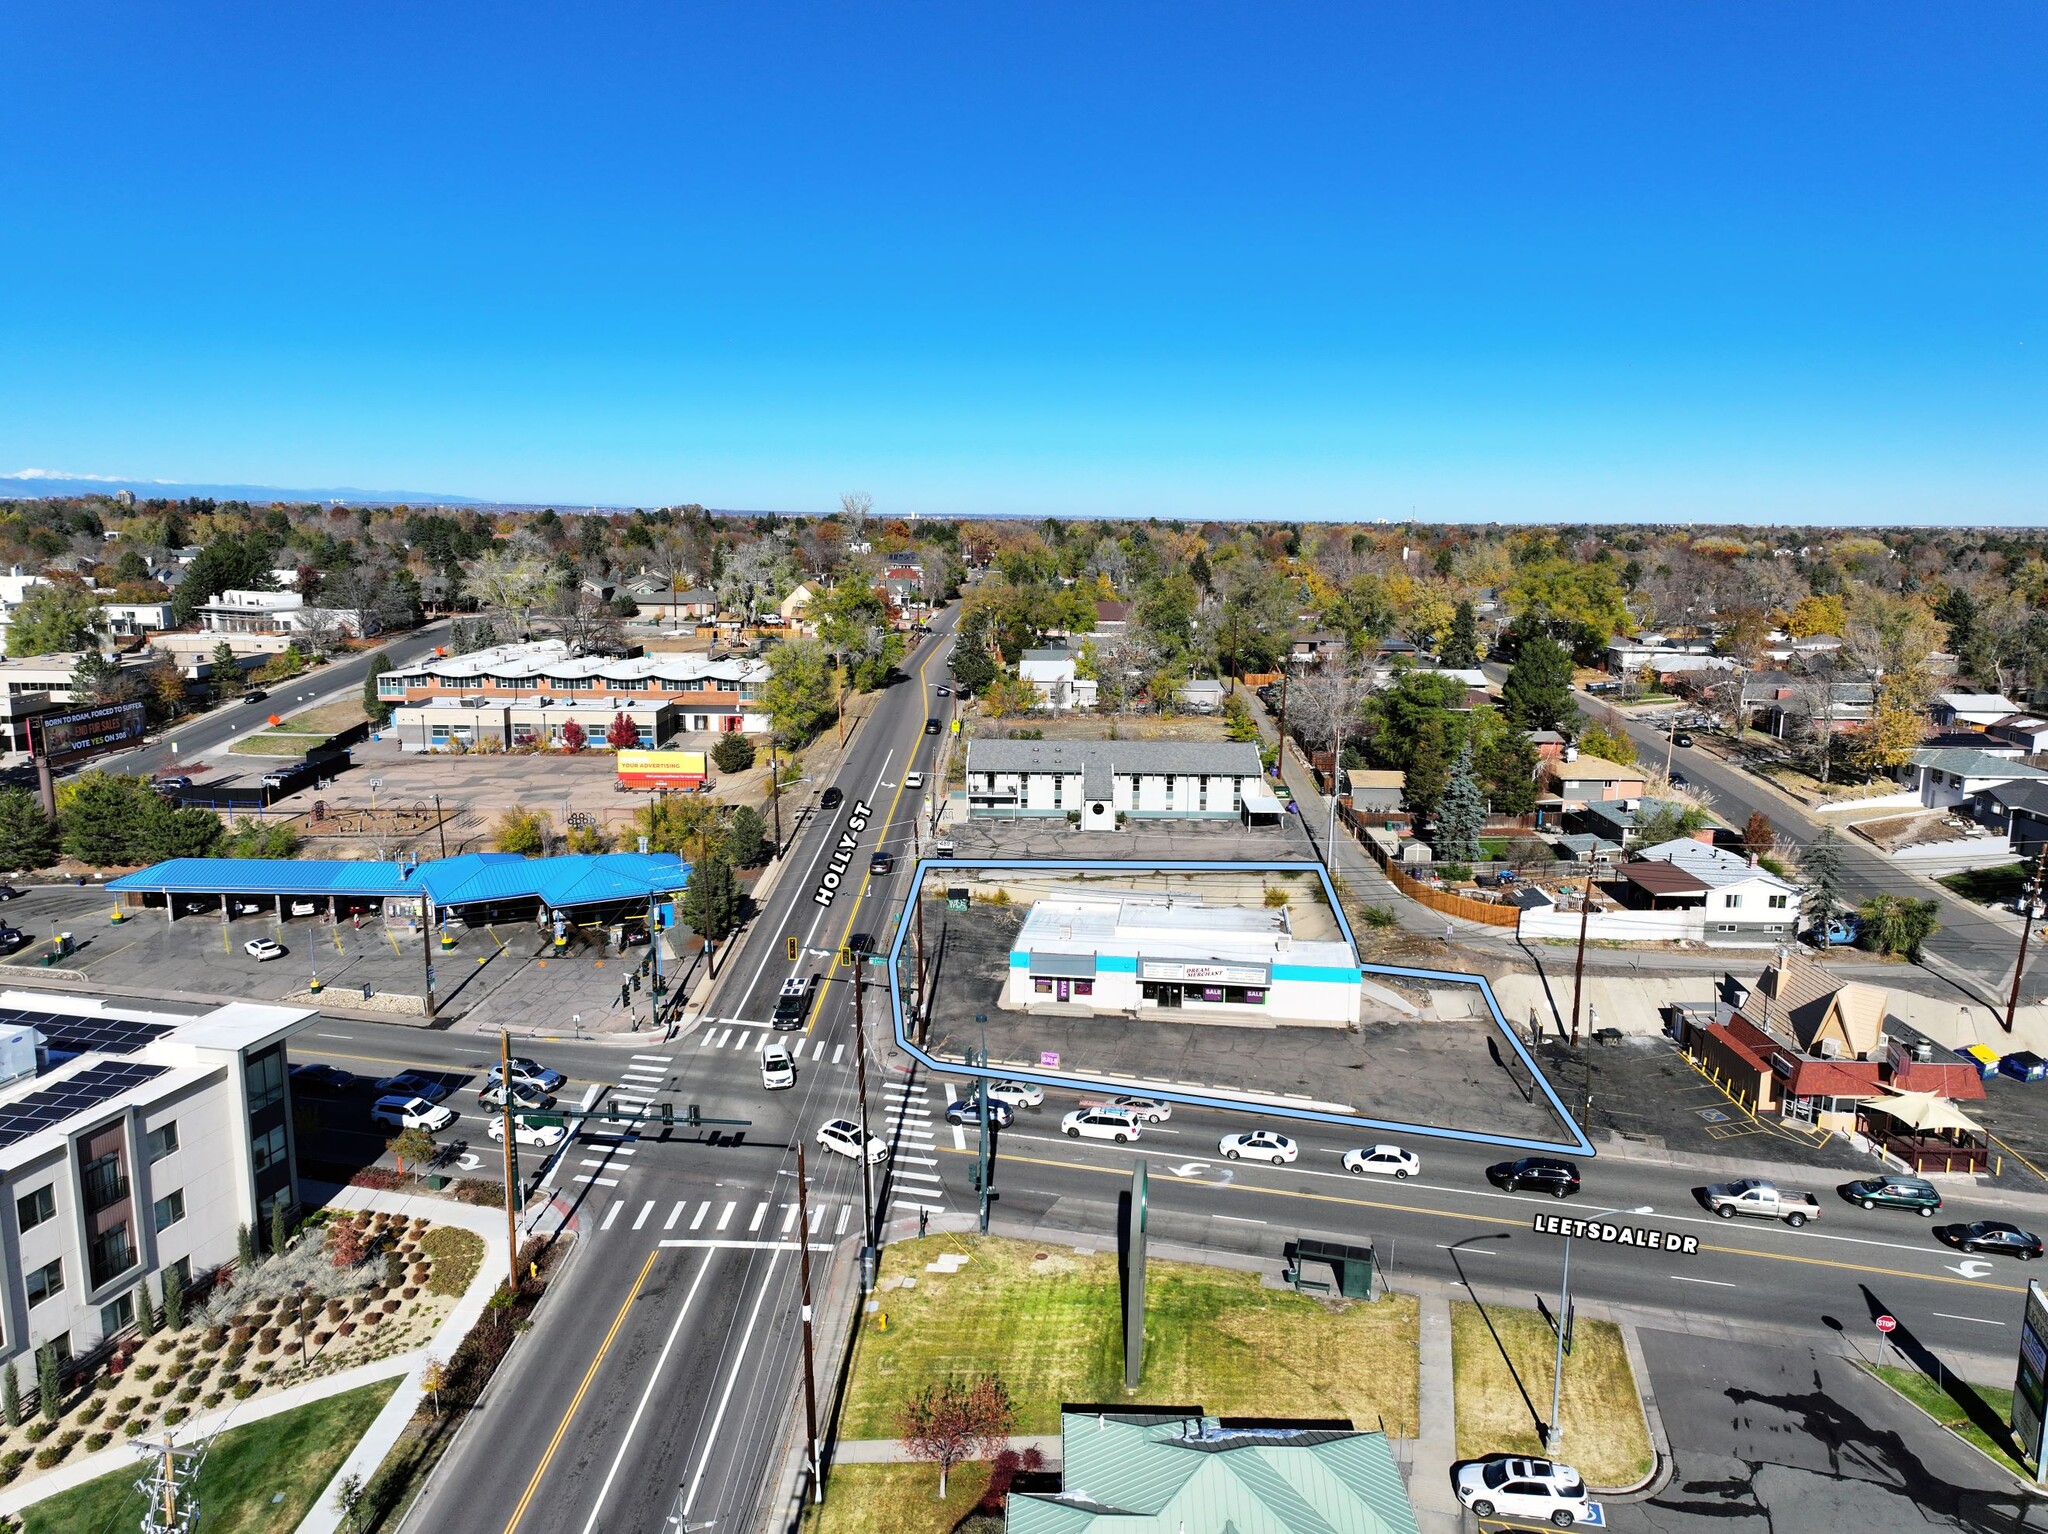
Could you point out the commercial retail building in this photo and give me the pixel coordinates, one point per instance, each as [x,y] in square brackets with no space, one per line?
[1096,781]
[132,1141]
[1149,956]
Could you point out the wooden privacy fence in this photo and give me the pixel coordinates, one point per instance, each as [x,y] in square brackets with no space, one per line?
[1443,900]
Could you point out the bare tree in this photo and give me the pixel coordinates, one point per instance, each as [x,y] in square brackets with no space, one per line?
[677,556]
[584,620]
[949,1421]
[855,506]
[1815,698]
[509,580]
[1122,664]
[754,575]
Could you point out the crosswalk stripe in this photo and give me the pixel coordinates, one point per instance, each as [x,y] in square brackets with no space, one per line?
[597,1182]
[762,1041]
[838,1053]
[725,1219]
[675,1214]
[647,1208]
[595,1161]
[702,1210]
[611,1214]
[788,1217]
[904,1203]
[717,1040]
[916,1160]
[904,1176]
[657,1059]
[760,1214]
[817,1219]
[845,1214]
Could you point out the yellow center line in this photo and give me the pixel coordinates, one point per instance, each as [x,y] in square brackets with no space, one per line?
[576,1400]
[1481,1219]
[887,820]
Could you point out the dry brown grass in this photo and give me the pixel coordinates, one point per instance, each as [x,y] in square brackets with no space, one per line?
[1605,1437]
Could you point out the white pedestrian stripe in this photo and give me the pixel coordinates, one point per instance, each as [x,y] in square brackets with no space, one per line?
[612,1214]
[641,1078]
[702,1210]
[838,1053]
[595,1161]
[598,1182]
[718,1042]
[904,1203]
[645,1210]
[788,1217]
[959,1137]
[657,1059]
[918,1160]
[817,1219]
[903,1176]
[725,1219]
[845,1214]
[761,1042]
[760,1214]
[675,1214]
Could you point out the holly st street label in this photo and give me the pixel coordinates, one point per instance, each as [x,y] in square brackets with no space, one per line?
[842,856]
[1615,1235]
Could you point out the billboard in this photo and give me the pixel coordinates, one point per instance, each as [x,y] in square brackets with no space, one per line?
[679,770]
[2030,1389]
[61,739]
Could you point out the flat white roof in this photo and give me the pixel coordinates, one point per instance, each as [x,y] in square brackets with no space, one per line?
[1176,928]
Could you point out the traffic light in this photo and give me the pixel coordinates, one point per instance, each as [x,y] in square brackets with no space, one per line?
[790,944]
[668,1115]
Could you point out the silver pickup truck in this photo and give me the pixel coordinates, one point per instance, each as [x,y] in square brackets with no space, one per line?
[1764,1200]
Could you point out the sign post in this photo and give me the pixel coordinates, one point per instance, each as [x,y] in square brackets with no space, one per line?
[2030,1389]
[1134,1282]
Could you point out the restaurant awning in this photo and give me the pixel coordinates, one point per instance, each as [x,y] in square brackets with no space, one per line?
[1924,1111]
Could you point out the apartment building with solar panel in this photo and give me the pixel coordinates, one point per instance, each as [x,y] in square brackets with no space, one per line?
[135,1136]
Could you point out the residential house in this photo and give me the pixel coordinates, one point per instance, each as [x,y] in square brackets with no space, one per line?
[1971,710]
[1374,792]
[1112,617]
[1616,820]
[1746,901]
[1946,778]
[1628,657]
[1133,1471]
[1548,743]
[275,612]
[2027,731]
[1593,779]
[795,608]
[2019,810]
[1311,650]
[1052,674]
[1203,695]
[1782,703]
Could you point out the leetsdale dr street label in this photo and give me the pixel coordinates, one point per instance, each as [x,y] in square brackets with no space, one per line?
[1615,1235]
[849,843]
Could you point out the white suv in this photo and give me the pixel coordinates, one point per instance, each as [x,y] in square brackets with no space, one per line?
[1100,1124]
[843,1136]
[1510,1486]
[412,1113]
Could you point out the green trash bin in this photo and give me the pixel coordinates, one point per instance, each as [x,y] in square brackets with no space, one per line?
[436,1181]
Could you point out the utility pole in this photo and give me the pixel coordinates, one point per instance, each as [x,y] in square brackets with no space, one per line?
[867,1167]
[981,1150]
[1280,755]
[1579,966]
[2028,896]
[440,826]
[775,791]
[803,1246]
[164,1480]
[427,946]
[511,1155]
[918,896]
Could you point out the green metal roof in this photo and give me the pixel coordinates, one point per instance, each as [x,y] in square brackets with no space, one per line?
[1145,1473]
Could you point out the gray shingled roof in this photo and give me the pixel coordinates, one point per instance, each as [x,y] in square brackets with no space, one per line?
[1217,758]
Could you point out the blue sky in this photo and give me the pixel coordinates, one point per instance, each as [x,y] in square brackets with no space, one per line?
[1482,262]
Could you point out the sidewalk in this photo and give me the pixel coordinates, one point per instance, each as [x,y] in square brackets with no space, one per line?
[397,1411]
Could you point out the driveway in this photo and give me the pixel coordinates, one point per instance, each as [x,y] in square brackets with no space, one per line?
[1773,1440]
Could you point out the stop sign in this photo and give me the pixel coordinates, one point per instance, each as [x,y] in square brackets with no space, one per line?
[1887,1323]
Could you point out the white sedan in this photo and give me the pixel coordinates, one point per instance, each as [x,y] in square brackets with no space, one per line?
[1018,1094]
[1100,1124]
[1259,1145]
[1153,1110]
[412,1113]
[842,1136]
[913,780]
[1383,1161]
[261,948]
[525,1131]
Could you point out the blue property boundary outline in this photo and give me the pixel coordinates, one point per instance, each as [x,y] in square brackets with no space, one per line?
[1577,1143]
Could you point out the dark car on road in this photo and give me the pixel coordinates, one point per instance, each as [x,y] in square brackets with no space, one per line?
[859,942]
[1914,1193]
[11,937]
[881,863]
[831,799]
[931,727]
[9,892]
[322,1080]
[967,1110]
[1993,1236]
[254,695]
[1543,1174]
[413,1084]
[1681,739]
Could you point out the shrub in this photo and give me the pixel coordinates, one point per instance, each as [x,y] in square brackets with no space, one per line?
[50,1458]
[345,1244]
[212,1398]
[266,1340]
[133,1430]
[216,1338]
[68,1438]
[1380,917]
[144,1371]
[36,1432]
[380,1177]
[90,1409]
[97,1441]
[126,1405]
[11,1463]
[174,1415]
[160,1389]
[243,1389]
[188,1393]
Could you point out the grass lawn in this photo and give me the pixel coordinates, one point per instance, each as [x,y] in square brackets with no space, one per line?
[295,1452]
[1052,1327]
[1605,1438]
[1947,1406]
[1988,886]
[895,1499]
[298,731]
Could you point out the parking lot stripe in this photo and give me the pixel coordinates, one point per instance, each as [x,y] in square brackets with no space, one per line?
[675,1214]
[702,1210]
[612,1213]
[725,1218]
[646,1209]
[760,1214]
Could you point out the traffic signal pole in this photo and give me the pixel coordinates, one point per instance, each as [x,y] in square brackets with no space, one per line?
[511,1155]
[803,1246]
[867,1167]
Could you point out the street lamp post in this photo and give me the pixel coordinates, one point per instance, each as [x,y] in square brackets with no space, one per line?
[1336,787]
[1553,1432]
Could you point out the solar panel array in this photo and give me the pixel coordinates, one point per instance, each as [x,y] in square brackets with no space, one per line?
[67,1035]
[57,1102]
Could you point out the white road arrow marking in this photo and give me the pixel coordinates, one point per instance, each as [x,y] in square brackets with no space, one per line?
[1189,1169]
[469,1161]
[1973,1267]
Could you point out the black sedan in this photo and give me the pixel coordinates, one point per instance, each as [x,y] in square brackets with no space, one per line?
[1681,739]
[322,1080]
[831,799]
[9,892]
[1543,1174]
[1993,1236]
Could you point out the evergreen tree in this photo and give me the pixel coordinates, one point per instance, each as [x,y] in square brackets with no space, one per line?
[1509,768]
[174,1299]
[228,680]
[711,901]
[245,1250]
[28,837]
[49,1382]
[1821,863]
[746,842]
[1429,771]
[1461,648]
[279,1229]
[376,708]
[1538,692]
[734,752]
[1461,813]
[10,1394]
[145,1311]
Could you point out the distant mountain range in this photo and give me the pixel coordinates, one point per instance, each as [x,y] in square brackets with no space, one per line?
[40,482]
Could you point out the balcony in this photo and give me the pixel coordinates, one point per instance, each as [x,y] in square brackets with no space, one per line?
[104,1192]
[111,1255]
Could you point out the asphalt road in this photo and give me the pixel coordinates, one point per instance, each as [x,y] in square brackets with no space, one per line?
[211,732]
[1972,947]
[659,1374]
